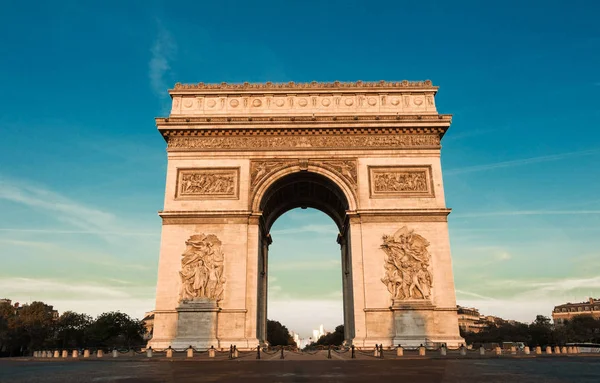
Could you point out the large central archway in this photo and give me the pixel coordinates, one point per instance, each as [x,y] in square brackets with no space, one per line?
[303,189]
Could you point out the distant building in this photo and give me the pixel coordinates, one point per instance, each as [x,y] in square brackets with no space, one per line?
[470,320]
[570,310]
[5,300]
[148,322]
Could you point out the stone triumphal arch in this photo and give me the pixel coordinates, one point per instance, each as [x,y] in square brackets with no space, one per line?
[365,153]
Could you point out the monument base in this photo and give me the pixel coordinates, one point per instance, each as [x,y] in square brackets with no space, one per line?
[197,324]
[417,323]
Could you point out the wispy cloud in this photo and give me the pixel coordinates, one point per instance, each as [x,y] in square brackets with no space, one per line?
[163,51]
[525,212]
[93,232]
[521,162]
[88,219]
[306,265]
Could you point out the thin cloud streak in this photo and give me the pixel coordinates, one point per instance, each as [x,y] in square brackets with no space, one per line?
[521,162]
[525,212]
[163,51]
[95,232]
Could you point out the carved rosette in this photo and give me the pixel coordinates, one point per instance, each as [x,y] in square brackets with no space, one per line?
[407,266]
[202,269]
[207,183]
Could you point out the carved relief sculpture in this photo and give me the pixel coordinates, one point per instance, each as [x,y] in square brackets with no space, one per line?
[208,183]
[400,181]
[407,264]
[345,168]
[260,169]
[202,269]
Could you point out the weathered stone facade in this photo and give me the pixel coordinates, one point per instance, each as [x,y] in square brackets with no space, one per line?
[367,154]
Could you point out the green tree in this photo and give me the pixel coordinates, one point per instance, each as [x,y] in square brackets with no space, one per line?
[70,329]
[335,338]
[33,326]
[278,334]
[114,329]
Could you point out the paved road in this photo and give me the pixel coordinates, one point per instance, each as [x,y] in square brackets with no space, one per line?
[492,370]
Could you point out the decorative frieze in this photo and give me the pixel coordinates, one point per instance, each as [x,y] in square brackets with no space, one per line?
[208,183]
[400,181]
[291,85]
[407,265]
[251,143]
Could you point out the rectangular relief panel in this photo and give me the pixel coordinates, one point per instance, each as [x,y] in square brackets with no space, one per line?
[400,181]
[208,183]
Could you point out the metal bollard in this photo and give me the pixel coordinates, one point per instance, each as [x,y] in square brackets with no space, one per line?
[399,351]
[169,352]
[258,352]
[281,357]
[100,353]
[149,352]
[329,352]
[190,352]
[526,350]
[381,351]
[86,353]
[75,354]
[353,356]
[211,352]
[421,350]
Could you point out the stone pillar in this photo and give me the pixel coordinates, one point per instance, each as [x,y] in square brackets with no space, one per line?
[115,353]
[149,352]
[211,352]
[548,350]
[169,352]
[526,350]
[56,354]
[563,350]
[422,350]
[481,351]
[538,350]
[190,352]
[86,353]
[498,350]
[75,354]
[556,350]
[513,350]
[65,353]
[399,351]
[443,351]
[357,282]
[100,353]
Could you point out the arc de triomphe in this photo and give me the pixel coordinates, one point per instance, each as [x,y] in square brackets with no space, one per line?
[365,153]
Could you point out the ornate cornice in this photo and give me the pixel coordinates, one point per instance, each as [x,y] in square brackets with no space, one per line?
[308,85]
[437,119]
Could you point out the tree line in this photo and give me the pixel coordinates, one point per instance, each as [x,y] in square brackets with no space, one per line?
[32,327]
[541,332]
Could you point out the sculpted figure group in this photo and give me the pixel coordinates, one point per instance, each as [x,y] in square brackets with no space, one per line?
[207,183]
[401,181]
[407,273]
[202,269]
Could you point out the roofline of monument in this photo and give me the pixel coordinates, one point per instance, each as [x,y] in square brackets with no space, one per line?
[306,87]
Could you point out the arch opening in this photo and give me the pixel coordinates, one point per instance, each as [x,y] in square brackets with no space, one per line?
[304,189]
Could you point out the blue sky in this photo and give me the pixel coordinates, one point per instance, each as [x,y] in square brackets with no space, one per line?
[82,167]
